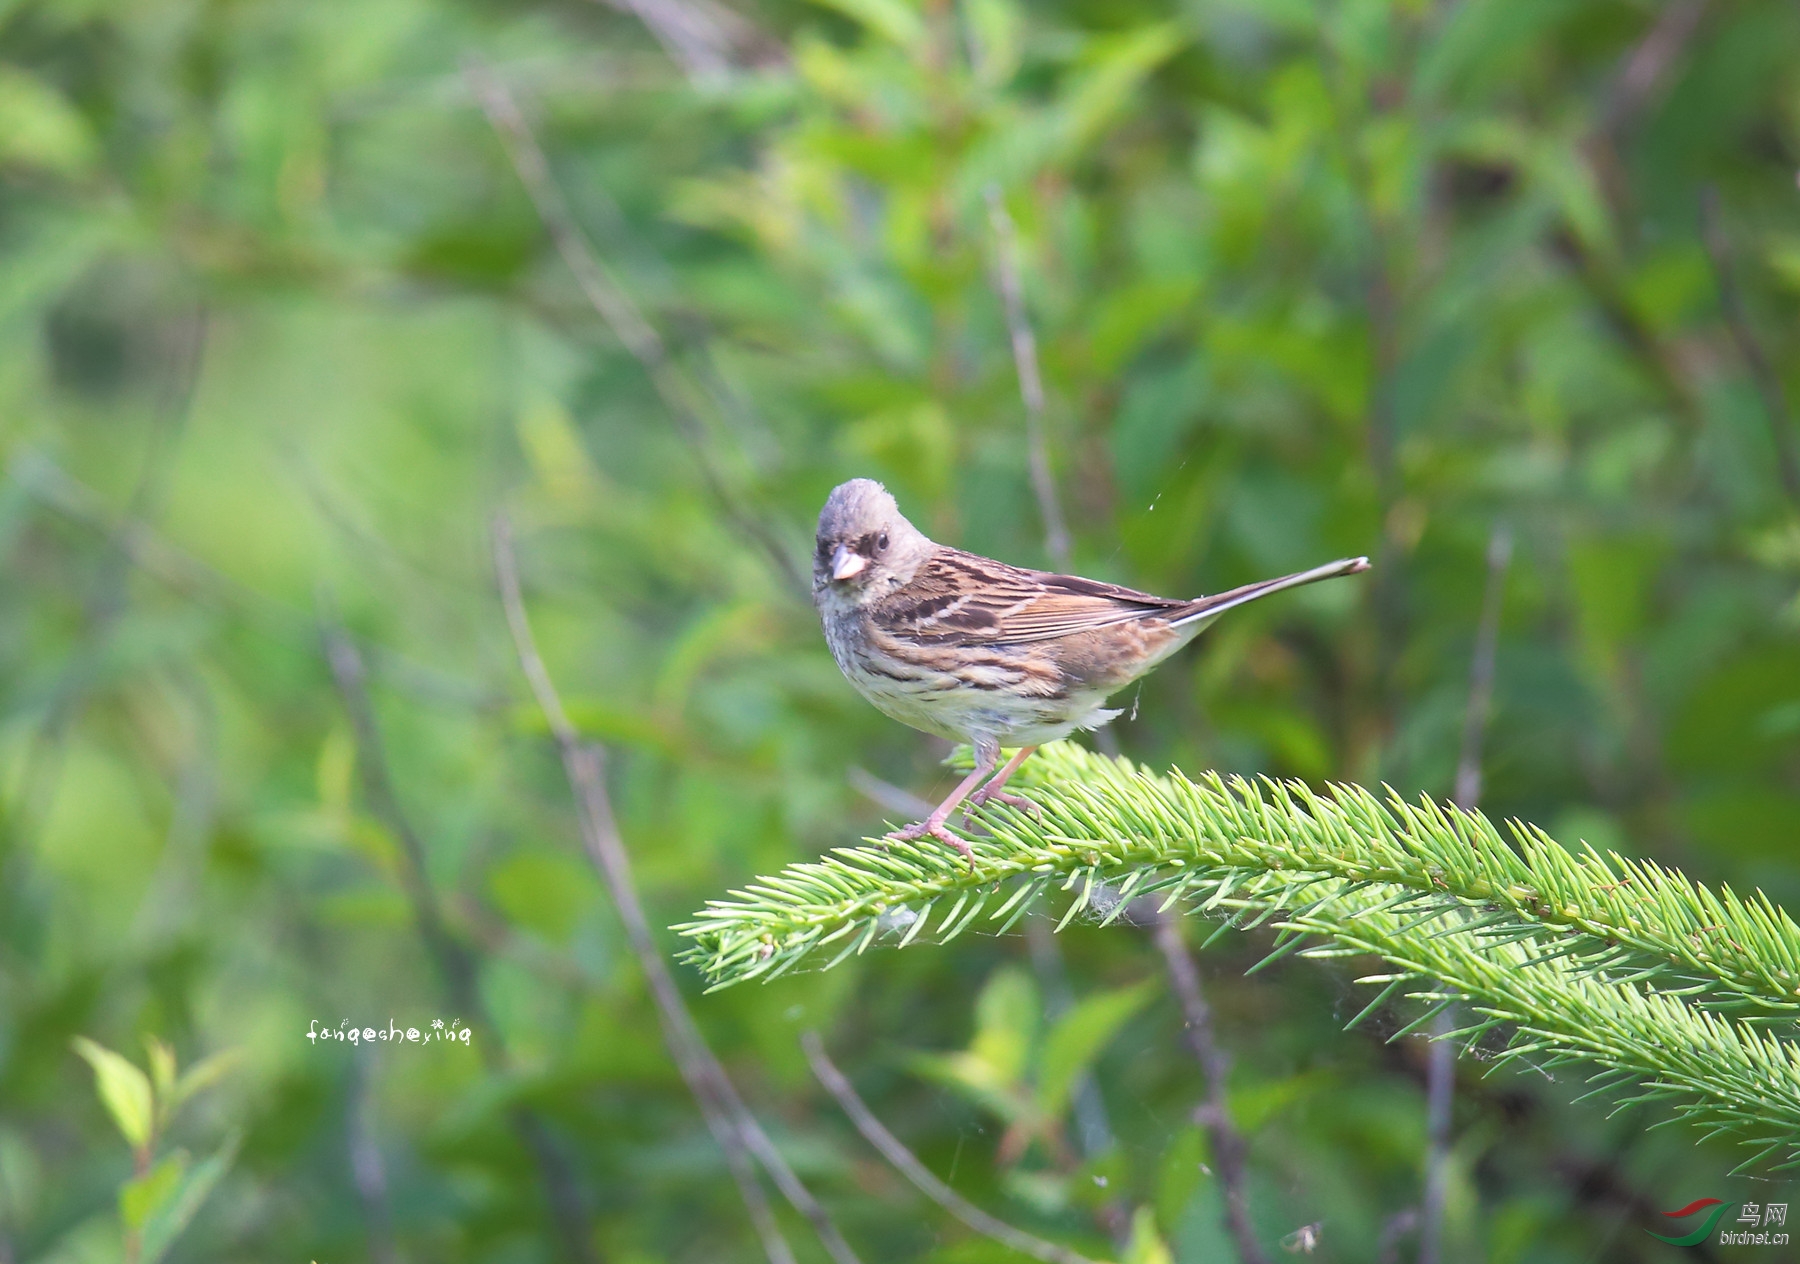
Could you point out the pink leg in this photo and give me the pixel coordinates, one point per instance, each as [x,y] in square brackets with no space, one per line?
[986,756]
[992,790]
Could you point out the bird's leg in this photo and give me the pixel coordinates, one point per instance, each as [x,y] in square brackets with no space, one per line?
[987,754]
[993,789]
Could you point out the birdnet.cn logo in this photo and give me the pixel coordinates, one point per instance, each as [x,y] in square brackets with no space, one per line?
[1752,1227]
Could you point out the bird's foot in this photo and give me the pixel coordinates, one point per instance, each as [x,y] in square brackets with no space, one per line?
[985,795]
[935,829]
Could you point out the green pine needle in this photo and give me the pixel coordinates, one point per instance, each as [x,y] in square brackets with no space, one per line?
[1619,962]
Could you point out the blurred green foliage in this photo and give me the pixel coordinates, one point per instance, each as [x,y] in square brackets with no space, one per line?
[280,329]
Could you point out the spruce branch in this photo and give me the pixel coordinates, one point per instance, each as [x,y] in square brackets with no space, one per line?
[1123,831]
[1617,961]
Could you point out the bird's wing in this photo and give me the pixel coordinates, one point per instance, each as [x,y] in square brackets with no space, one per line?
[958,598]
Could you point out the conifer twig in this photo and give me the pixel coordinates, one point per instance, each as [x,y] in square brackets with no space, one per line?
[738,1133]
[908,1165]
[1618,962]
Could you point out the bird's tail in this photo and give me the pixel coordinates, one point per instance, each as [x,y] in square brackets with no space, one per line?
[1208,607]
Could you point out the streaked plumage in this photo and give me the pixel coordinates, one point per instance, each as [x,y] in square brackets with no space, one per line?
[976,651]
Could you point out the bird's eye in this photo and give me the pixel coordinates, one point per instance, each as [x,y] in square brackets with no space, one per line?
[881,543]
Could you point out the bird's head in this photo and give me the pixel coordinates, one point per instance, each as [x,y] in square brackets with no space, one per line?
[866,547]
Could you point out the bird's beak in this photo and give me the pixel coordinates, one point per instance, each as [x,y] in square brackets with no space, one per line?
[846,562]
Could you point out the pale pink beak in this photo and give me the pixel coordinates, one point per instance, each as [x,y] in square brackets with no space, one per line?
[847,562]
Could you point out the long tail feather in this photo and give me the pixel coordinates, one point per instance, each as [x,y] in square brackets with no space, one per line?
[1207,607]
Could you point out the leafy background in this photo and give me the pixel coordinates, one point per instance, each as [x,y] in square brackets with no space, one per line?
[281,329]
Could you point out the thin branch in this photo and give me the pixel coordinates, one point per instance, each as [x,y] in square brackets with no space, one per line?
[1395,1227]
[1223,1138]
[706,39]
[603,291]
[1737,319]
[1643,73]
[366,1170]
[1481,670]
[1440,1065]
[730,1121]
[908,1165]
[452,960]
[1031,382]
[885,794]
[1647,65]
[1440,1093]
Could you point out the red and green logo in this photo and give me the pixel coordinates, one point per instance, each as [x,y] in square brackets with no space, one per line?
[1699,1235]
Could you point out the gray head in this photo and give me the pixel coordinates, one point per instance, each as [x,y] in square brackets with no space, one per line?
[866,547]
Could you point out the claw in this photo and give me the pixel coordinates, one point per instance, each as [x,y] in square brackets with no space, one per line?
[919,829]
[985,796]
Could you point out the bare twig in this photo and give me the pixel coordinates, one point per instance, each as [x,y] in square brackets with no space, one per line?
[706,39]
[1223,1138]
[366,1170]
[1653,352]
[1481,669]
[1031,382]
[603,291]
[451,958]
[1642,74]
[1395,1227]
[1647,65]
[1440,1065]
[885,794]
[908,1165]
[1440,1092]
[1737,319]
[730,1121]
[1094,1128]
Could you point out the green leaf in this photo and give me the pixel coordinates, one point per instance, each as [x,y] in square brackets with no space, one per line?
[39,128]
[140,1197]
[172,1215]
[894,20]
[162,1075]
[1006,1024]
[124,1090]
[1147,1245]
[996,28]
[203,1075]
[1078,1038]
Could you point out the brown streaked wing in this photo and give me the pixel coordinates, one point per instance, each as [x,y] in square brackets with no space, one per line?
[959,598]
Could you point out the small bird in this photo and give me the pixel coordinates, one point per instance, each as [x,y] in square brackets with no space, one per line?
[976,651]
